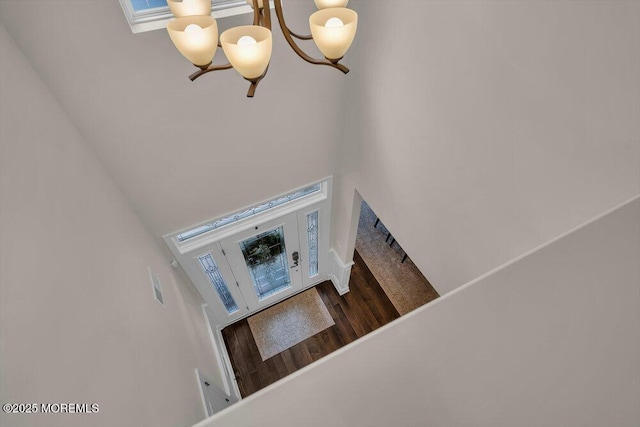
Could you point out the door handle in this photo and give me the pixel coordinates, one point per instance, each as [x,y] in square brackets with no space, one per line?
[295,256]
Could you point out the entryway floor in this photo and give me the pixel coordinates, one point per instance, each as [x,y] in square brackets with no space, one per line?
[363,309]
[375,299]
[404,284]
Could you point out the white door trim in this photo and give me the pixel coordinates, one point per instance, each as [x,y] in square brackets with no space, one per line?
[188,251]
[340,273]
[222,357]
[218,234]
[203,399]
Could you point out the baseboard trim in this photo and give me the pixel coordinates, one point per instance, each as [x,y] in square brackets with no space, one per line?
[340,272]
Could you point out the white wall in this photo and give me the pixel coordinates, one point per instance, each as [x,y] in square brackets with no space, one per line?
[182,152]
[78,322]
[552,339]
[478,130]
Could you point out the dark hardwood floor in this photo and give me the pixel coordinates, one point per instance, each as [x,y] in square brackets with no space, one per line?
[365,308]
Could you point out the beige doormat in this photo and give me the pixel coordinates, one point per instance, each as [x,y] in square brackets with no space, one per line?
[289,322]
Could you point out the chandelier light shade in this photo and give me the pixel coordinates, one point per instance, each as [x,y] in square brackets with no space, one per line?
[196,37]
[181,8]
[325,4]
[333,31]
[248,48]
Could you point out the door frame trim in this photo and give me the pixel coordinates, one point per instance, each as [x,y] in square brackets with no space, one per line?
[224,370]
[182,248]
[202,398]
[321,200]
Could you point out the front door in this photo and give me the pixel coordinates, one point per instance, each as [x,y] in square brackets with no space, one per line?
[245,261]
[265,261]
[249,270]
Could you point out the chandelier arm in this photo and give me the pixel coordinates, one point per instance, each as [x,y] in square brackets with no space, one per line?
[298,36]
[209,69]
[267,15]
[254,83]
[287,35]
[256,13]
[252,89]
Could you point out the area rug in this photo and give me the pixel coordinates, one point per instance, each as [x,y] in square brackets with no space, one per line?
[289,322]
[404,284]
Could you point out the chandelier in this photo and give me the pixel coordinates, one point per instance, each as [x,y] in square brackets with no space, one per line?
[194,32]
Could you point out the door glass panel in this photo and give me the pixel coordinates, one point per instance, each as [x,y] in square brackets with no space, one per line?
[254,210]
[213,273]
[312,238]
[266,259]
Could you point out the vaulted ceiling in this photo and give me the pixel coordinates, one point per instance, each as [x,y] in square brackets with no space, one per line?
[181,151]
